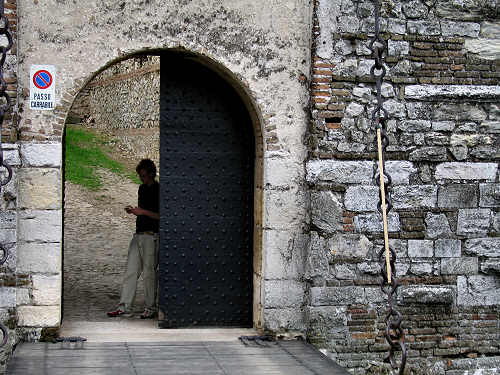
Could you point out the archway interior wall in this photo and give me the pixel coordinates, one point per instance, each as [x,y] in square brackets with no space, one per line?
[123,102]
[261,47]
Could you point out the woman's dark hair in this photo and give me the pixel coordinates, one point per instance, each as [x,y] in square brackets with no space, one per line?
[148,165]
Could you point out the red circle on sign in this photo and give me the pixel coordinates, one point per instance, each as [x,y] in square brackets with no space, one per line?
[42,79]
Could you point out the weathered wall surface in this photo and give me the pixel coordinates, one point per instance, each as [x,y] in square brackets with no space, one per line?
[262,47]
[124,102]
[441,94]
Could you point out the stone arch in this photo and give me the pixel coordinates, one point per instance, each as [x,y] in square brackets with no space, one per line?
[242,89]
[201,57]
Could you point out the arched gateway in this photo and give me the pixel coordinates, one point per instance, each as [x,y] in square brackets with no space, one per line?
[210,180]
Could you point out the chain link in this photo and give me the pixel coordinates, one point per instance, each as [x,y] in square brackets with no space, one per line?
[4,107]
[394,334]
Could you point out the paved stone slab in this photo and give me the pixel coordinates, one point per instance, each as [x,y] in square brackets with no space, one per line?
[194,358]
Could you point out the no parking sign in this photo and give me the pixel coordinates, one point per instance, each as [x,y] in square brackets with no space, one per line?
[42,87]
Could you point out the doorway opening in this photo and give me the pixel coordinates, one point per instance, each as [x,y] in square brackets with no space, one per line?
[208,154]
[113,123]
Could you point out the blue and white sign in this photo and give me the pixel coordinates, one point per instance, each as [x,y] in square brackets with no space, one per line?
[42,87]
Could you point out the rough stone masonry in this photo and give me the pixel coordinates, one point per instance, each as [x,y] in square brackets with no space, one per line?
[442,95]
[303,68]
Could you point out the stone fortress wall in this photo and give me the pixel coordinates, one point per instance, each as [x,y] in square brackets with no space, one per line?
[441,93]
[318,230]
[124,102]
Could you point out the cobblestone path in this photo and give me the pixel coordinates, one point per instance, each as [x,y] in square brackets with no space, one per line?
[97,232]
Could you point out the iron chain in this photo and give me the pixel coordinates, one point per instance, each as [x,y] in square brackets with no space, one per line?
[4,107]
[4,96]
[394,334]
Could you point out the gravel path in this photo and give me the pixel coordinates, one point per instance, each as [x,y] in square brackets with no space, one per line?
[97,232]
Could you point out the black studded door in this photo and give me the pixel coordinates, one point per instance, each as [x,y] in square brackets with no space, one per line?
[206,182]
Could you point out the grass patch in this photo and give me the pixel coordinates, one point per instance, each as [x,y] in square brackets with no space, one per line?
[85,153]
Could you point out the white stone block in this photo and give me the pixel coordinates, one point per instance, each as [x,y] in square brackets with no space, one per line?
[348,24]
[451,28]
[361,198]
[284,319]
[46,290]
[327,16]
[12,157]
[336,296]
[33,257]
[335,317]
[344,271]
[284,253]
[327,211]
[420,248]
[373,222]
[279,171]
[41,154]
[23,297]
[424,27]
[443,126]
[489,195]
[387,90]
[394,108]
[467,171]
[396,26]
[421,268]
[398,48]
[7,236]
[414,196]
[284,208]
[448,248]
[478,290]
[354,109]
[362,92]
[473,221]
[427,294]
[400,171]
[490,127]
[8,220]
[375,295]
[7,297]
[483,247]
[340,172]
[459,266]
[317,259]
[437,226]
[283,293]
[39,188]
[39,316]
[486,48]
[469,92]
[42,226]
[414,126]
[349,247]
